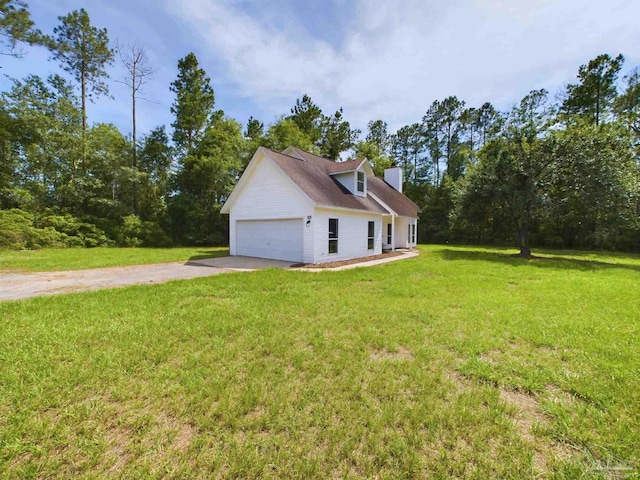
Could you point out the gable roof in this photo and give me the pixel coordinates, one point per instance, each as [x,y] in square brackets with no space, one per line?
[313,175]
[348,166]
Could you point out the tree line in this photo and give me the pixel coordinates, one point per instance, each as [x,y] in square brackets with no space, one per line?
[561,172]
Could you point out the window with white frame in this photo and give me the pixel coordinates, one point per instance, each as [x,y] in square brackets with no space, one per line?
[333,235]
[389,234]
[413,233]
[360,183]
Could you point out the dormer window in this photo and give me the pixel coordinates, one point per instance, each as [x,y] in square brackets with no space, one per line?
[360,183]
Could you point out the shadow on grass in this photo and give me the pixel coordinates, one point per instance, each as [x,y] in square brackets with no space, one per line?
[204,254]
[556,262]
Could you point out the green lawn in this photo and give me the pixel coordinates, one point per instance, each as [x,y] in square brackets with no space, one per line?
[52,259]
[461,363]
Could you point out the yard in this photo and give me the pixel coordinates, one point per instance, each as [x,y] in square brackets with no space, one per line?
[462,362]
[52,259]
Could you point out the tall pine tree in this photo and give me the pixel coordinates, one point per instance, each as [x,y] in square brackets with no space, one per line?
[193,106]
[83,51]
[591,98]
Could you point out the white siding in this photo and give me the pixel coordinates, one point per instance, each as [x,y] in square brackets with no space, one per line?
[352,234]
[270,194]
[402,239]
[347,180]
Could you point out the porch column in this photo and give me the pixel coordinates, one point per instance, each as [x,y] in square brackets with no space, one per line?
[393,233]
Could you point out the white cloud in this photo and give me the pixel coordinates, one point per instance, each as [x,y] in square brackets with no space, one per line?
[400,55]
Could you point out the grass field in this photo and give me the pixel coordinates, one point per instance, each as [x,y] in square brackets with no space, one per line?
[461,363]
[51,259]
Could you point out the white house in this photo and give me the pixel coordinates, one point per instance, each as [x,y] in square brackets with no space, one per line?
[300,207]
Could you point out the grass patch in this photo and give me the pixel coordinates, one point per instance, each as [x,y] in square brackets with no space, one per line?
[461,362]
[47,260]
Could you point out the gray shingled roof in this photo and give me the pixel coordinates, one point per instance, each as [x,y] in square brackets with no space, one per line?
[399,202]
[313,177]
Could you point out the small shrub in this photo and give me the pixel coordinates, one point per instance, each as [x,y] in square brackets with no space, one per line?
[130,232]
[15,228]
[86,234]
[47,237]
[136,233]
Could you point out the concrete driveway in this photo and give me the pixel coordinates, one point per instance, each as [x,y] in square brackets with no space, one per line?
[15,286]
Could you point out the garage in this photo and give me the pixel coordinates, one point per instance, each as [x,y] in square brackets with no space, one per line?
[275,239]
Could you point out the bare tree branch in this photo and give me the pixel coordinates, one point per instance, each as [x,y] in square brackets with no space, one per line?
[138,73]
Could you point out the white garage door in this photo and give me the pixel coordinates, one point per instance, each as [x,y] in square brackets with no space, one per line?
[276,239]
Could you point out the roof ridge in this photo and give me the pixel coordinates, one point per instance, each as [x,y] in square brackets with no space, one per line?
[283,154]
[313,154]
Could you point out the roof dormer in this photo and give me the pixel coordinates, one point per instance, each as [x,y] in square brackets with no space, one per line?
[352,175]
[361,183]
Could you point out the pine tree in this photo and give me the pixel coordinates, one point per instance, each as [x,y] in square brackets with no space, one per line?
[83,51]
[308,117]
[193,106]
[16,26]
[595,92]
[337,136]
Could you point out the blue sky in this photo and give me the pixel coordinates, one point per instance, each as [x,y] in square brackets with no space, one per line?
[385,59]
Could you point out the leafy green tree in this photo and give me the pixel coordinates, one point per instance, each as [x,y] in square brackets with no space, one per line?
[627,105]
[17,27]
[377,158]
[591,197]
[193,105]
[9,133]
[309,118]
[42,141]
[204,182]
[155,160]
[285,133]
[106,190]
[592,97]
[83,51]
[436,203]
[513,169]
[337,136]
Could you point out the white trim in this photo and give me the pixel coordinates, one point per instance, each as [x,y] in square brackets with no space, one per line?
[337,237]
[365,162]
[357,192]
[345,209]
